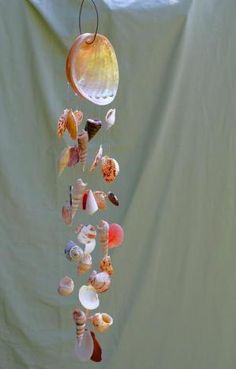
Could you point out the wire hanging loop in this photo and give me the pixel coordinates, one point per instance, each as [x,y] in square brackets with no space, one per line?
[97,22]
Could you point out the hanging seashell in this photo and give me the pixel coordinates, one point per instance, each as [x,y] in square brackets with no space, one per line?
[92,68]
[88,297]
[100,197]
[103,229]
[79,116]
[113,198]
[116,235]
[66,286]
[64,160]
[73,252]
[66,213]
[106,265]
[100,281]
[92,127]
[97,159]
[74,156]
[83,146]
[84,348]
[80,321]
[85,264]
[91,205]
[86,233]
[77,195]
[110,169]
[72,125]
[110,118]
[89,247]
[97,350]
[101,322]
[61,124]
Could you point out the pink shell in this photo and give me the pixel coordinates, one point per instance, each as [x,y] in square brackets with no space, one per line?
[116,235]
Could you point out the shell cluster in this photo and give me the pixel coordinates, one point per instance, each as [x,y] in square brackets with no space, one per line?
[92,72]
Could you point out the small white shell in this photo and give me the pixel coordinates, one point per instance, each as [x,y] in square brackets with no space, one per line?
[77,195]
[84,347]
[85,264]
[86,233]
[110,118]
[89,247]
[91,204]
[100,281]
[88,297]
[102,322]
[66,286]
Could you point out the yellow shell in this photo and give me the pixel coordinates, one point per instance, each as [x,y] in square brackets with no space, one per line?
[92,69]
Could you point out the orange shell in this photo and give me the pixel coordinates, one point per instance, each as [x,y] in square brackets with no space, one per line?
[61,124]
[72,125]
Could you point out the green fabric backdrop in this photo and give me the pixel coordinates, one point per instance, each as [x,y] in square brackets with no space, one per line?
[173,296]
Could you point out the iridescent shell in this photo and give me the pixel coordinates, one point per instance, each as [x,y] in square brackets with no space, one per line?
[100,281]
[66,286]
[92,69]
[101,322]
[106,265]
[110,169]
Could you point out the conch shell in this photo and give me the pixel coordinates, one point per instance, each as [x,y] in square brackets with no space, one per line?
[100,197]
[66,286]
[110,118]
[100,281]
[103,229]
[66,213]
[80,321]
[106,265]
[83,146]
[110,169]
[101,322]
[77,195]
[92,68]
[85,264]
[92,127]
[97,159]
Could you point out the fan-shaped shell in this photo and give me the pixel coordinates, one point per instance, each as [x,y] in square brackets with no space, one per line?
[92,69]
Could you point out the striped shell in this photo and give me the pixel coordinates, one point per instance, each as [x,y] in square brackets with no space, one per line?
[103,229]
[83,146]
[80,321]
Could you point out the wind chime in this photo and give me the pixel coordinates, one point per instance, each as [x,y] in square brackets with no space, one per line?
[92,72]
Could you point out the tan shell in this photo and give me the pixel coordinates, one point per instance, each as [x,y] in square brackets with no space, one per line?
[83,146]
[66,286]
[61,124]
[97,159]
[110,169]
[103,229]
[80,321]
[100,281]
[72,125]
[85,265]
[101,322]
[77,195]
[92,69]
[64,160]
[100,197]
[106,265]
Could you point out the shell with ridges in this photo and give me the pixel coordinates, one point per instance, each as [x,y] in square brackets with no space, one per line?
[80,321]
[83,146]
[61,124]
[103,229]
[77,195]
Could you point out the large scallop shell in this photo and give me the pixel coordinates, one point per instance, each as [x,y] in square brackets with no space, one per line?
[92,69]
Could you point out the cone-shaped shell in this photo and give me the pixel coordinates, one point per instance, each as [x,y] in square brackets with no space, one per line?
[80,321]
[66,286]
[100,281]
[88,297]
[77,195]
[85,264]
[84,348]
[103,229]
[106,265]
[83,147]
[102,322]
[66,213]
[110,118]
[110,169]
[113,198]
[100,197]
[92,127]
[91,203]
[92,68]
[97,159]
[97,350]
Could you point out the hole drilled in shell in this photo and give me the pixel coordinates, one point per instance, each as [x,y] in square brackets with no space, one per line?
[92,69]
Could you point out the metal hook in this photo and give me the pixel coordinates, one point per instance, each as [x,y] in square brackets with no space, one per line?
[97,16]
